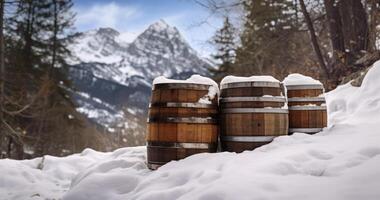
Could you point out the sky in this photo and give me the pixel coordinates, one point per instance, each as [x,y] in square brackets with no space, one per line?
[131,17]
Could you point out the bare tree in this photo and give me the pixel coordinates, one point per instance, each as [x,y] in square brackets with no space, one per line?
[2,73]
[313,38]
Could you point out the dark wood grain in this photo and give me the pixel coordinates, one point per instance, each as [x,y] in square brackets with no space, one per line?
[161,132]
[250,124]
[306,119]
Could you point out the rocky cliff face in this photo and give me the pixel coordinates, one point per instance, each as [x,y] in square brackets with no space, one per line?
[113,78]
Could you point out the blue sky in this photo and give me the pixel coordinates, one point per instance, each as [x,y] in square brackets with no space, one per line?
[133,16]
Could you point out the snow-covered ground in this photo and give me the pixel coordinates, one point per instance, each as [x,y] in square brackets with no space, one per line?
[341,162]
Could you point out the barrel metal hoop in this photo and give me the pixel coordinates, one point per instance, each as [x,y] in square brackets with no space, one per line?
[190,120]
[182,105]
[181,145]
[250,84]
[248,99]
[307,99]
[304,87]
[307,107]
[189,86]
[255,110]
[305,130]
[247,138]
[154,165]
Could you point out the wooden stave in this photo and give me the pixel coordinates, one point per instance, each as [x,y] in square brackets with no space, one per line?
[239,147]
[277,127]
[305,93]
[181,95]
[251,109]
[298,99]
[319,120]
[251,102]
[250,92]
[161,125]
[182,132]
[304,87]
[158,156]
[198,110]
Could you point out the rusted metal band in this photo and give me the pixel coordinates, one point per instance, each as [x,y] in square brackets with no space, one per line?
[250,84]
[304,87]
[190,120]
[182,105]
[307,108]
[247,138]
[307,99]
[181,145]
[189,86]
[248,99]
[254,110]
[305,130]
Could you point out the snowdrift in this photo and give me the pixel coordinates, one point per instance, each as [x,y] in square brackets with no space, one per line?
[341,162]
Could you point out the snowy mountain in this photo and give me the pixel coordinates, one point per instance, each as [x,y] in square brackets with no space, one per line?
[340,163]
[113,78]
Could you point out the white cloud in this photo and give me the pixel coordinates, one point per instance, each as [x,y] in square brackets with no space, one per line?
[104,15]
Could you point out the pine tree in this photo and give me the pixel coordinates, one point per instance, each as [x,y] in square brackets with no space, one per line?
[265,37]
[39,113]
[24,66]
[225,43]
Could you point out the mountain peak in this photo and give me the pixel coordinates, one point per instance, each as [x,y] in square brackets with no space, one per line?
[108,31]
[162,25]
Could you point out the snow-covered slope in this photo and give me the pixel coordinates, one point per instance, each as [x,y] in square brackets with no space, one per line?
[341,163]
[116,76]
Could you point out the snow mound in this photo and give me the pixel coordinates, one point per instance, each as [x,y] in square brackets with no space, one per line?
[234,79]
[341,163]
[299,79]
[356,105]
[50,177]
[194,79]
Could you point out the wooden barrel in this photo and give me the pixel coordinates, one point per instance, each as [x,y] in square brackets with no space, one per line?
[307,110]
[178,125]
[251,115]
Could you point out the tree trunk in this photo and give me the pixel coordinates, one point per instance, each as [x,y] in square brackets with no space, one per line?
[313,38]
[2,74]
[335,30]
[374,21]
[55,33]
[354,27]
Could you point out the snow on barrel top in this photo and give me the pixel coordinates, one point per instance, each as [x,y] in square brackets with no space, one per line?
[299,79]
[238,79]
[194,79]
